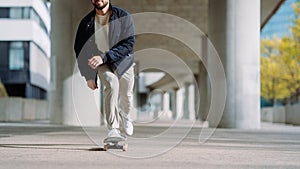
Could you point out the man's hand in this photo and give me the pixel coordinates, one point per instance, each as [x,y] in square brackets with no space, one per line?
[95,61]
[92,85]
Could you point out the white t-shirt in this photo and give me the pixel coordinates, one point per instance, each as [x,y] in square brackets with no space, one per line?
[101,31]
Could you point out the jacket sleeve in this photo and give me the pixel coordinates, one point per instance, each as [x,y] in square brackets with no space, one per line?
[83,53]
[79,42]
[126,42]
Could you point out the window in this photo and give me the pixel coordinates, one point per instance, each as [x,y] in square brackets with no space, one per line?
[15,13]
[19,13]
[16,56]
[26,13]
[4,46]
[4,12]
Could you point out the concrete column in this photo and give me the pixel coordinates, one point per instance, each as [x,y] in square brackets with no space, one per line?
[186,113]
[166,106]
[65,16]
[165,102]
[234,29]
[191,107]
[173,103]
[189,102]
[177,104]
[202,87]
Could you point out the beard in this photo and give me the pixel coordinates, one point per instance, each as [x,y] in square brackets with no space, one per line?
[100,7]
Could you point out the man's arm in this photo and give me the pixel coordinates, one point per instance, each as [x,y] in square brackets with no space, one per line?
[83,53]
[92,84]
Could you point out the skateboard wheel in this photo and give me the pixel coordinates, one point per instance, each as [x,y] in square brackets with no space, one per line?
[125,147]
[106,147]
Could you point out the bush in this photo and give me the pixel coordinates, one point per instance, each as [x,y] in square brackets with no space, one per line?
[3,92]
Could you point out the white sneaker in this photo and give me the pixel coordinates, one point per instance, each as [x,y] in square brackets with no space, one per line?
[127,124]
[114,135]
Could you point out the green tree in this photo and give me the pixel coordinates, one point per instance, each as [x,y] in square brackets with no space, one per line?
[280,65]
[272,85]
[289,62]
[3,92]
[296,27]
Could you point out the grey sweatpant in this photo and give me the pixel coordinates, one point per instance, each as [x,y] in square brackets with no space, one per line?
[118,94]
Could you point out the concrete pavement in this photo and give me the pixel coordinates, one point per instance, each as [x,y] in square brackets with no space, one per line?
[160,146]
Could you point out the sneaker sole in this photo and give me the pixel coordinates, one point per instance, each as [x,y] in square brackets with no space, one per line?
[114,139]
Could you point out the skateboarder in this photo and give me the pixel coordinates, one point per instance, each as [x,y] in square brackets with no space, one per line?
[104,47]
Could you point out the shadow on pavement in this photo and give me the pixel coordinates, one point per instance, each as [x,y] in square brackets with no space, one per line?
[51,146]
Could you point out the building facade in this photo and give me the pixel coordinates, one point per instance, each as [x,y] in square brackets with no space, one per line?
[25,47]
[279,25]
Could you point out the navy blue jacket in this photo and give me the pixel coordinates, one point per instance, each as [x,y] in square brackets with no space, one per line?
[121,41]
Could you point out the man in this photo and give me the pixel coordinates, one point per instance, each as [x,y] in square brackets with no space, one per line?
[104,46]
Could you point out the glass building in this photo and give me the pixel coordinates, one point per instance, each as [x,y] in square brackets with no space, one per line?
[281,21]
[25,47]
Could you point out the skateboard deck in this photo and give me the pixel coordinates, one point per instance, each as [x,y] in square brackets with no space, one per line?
[113,143]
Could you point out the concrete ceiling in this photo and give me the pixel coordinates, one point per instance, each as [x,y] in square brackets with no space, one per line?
[169,82]
[268,8]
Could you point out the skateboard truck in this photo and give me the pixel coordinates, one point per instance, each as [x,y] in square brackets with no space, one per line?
[113,143]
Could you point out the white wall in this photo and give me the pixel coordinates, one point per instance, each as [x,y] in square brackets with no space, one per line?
[43,12]
[293,114]
[38,5]
[284,114]
[39,67]
[24,30]
[15,3]
[14,109]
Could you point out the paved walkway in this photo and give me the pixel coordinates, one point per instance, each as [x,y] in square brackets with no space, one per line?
[60,147]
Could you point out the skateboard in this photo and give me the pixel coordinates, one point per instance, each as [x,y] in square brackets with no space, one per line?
[113,143]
